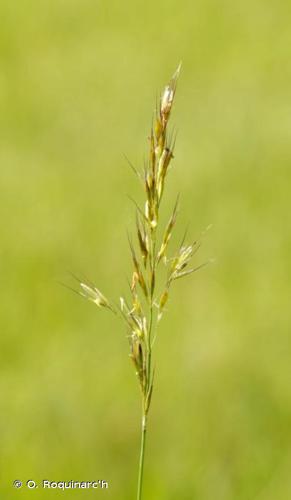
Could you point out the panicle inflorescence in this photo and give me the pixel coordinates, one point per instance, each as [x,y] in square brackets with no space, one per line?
[145,306]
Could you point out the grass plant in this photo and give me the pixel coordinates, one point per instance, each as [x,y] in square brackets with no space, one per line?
[149,288]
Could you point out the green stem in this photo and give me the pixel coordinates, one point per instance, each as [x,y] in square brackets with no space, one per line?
[141,458]
[148,372]
[153,269]
[149,356]
[144,415]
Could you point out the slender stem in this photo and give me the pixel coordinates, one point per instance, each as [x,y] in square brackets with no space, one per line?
[153,269]
[141,458]
[144,414]
[149,354]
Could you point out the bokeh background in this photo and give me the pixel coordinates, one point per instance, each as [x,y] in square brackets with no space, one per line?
[78,83]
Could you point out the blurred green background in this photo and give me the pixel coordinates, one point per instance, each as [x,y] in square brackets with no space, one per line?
[78,83]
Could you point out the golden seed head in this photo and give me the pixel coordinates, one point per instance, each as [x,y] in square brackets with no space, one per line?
[134,280]
[162,303]
[136,305]
[168,97]
[167,100]
[163,299]
[94,295]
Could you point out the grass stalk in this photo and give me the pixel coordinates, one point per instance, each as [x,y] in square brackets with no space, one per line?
[142,455]
[144,308]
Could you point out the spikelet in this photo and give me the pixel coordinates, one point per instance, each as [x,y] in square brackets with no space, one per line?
[137,276]
[162,302]
[164,163]
[94,295]
[142,240]
[137,357]
[168,97]
[168,232]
